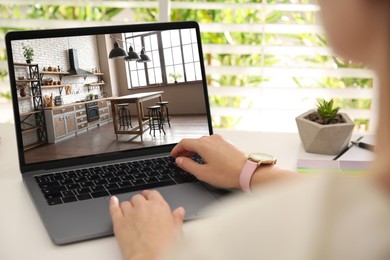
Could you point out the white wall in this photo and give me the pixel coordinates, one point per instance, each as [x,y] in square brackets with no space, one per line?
[54,52]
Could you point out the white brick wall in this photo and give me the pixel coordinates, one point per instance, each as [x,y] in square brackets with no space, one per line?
[54,52]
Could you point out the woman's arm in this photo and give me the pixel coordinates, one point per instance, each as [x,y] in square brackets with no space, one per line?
[145,226]
[223,163]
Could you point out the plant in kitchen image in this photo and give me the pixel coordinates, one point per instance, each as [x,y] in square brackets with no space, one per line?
[28,53]
[175,77]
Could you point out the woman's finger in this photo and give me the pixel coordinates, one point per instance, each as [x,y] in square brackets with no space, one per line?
[185,147]
[115,210]
[191,166]
[137,200]
[152,195]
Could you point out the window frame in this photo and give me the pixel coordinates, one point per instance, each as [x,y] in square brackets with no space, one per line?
[162,64]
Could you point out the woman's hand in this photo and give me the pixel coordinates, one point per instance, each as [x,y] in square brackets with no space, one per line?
[223,161]
[145,226]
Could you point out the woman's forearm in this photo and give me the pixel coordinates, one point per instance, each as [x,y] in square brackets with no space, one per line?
[271,173]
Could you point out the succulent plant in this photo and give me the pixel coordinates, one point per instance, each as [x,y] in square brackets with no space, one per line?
[326,110]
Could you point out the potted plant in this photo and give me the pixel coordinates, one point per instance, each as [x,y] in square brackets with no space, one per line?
[28,53]
[22,89]
[47,81]
[175,77]
[325,130]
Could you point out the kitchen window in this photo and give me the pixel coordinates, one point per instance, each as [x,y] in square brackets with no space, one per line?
[137,71]
[154,73]
[174,56]
[191,55]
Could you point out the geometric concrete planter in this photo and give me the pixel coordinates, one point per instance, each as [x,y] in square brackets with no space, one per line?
[324,139]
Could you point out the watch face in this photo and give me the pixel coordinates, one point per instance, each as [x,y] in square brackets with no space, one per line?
[262,157]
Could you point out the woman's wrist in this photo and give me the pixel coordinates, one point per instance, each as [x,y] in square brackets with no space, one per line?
[269,173]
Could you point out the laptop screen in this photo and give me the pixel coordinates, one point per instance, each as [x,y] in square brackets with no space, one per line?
[106,92]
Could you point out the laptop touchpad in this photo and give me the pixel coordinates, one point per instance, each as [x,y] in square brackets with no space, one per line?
[193,197]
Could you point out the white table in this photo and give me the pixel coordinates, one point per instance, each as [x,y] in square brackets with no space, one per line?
[22,234]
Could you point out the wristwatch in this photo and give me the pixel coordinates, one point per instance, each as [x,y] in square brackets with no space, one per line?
[254,160]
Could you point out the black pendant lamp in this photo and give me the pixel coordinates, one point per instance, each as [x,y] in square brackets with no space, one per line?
[117,52]
[132,55]
[144,57]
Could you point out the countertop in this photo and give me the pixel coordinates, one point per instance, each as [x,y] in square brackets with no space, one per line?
[77,103]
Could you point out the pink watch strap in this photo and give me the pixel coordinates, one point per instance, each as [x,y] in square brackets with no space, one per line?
[246,175]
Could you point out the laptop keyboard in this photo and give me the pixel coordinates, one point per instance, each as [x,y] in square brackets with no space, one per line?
[101,181]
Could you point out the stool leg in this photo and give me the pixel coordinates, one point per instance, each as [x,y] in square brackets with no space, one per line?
[161,122]
[150,121]
[167,114]
[155,116]
[120,115]
[131,125]
[124,117]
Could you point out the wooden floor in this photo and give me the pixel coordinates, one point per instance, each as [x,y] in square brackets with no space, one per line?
[101,139]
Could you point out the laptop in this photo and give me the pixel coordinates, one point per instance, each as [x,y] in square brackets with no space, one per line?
[74,153]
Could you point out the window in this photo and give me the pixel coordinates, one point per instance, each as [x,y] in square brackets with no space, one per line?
[154,73]
[174,57]
[266,60]
[190,55]
[137,71]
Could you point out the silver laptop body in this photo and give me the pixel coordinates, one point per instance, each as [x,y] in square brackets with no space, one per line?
[44,162]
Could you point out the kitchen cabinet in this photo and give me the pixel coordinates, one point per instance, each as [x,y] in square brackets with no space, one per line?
[67,120]
[64,124]
[61,122]
[104,110]
[81,117]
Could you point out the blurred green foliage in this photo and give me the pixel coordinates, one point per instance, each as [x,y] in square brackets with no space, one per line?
[258,16]
[239,16]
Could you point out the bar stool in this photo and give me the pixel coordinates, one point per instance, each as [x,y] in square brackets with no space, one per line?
[164,111]
[155,120]
[124,115]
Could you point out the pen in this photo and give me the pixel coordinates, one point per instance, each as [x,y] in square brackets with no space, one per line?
[363,145]
[346,149]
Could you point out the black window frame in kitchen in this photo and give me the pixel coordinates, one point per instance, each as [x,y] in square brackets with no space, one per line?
[149,67]
[192,45]
[152,67]
[140,67]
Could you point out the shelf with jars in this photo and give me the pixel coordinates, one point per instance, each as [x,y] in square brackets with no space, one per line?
[33,121]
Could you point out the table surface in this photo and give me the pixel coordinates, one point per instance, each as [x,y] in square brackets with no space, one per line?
[135,97]
[23,235]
